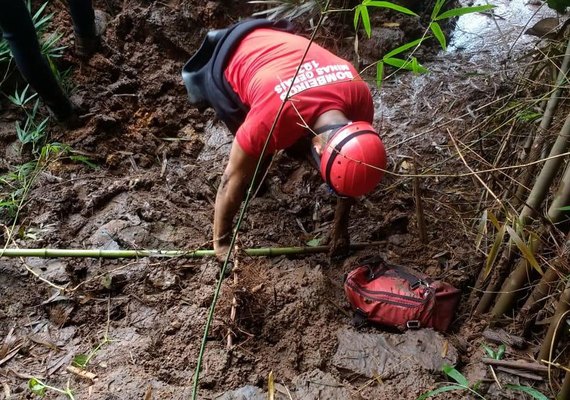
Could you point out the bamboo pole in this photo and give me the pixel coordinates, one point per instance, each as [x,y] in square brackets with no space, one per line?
[564,393]
[549,171]
[561,81]
[533,203]
[96,253]
[550,339]
[520,275]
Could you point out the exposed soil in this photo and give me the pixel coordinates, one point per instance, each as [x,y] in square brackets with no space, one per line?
[159,162]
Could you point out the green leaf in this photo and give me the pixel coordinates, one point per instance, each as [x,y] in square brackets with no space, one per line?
[80,360]
[37,387]
[492,256]
[416,67]
[403,64]
[456,12]
[558,5]
[437,8]
[314,242]
[387,4]
[501,352]
[442,389]
[379,73]
[455,375]
[565,208]
[366,21]
[490,352]
[404,47]
[535,394]
[439,35]
[357,16]
[525,250]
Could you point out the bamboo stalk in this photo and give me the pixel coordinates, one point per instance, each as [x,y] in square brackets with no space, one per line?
[533,203]
[564,393]
[550,339]
[547,174]
[547,117]
[96,253]
[520,275]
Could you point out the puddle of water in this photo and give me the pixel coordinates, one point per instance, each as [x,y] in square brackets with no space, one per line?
[483,33]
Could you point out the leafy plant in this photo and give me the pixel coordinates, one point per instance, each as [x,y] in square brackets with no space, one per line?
[495,354]
[40,388]
[361,14]
[462,384]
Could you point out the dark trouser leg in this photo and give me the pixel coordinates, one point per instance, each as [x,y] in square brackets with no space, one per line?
[18,30]
[83,17]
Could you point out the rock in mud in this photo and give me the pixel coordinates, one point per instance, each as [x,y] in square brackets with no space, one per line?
[389,354]
[245,393]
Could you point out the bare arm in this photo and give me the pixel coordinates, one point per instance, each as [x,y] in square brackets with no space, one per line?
[235,180]
[340,237]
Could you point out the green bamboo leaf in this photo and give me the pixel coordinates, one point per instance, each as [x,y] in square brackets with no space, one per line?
[439,35]
[404,47]
[366,21]
[442,389]
[80,360]
[494,221]
[456,12]
[455,375]
[403,64]
[535,394]
[565,208]
[501,352]
[357,16]
[492,256]
[437,8]
[379,73]
[387,4]
[490,352]
[525,250]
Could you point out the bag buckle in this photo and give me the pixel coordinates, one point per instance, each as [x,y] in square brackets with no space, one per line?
[413,324]
[418,283]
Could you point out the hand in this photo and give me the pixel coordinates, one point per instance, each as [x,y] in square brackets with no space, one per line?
[221,249]
[339,244]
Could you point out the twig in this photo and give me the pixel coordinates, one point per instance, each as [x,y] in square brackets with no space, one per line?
[419,205]
[81,373]
[520,373]
[527,366]
[233,311]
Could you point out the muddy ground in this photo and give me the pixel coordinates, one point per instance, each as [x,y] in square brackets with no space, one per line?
[158,165]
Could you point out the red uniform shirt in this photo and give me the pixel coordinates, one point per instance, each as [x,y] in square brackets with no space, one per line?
[261,70]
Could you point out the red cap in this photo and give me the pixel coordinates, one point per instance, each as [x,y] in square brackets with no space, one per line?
[354,159]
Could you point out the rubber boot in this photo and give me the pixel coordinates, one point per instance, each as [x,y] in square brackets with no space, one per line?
[86,46]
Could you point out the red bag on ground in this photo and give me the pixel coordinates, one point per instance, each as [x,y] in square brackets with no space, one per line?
[396,296]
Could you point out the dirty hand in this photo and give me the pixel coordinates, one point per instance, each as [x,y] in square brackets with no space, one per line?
[221,249]
[339,244]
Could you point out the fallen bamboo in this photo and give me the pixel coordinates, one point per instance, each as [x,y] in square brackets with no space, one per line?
[97,253]
[527,366]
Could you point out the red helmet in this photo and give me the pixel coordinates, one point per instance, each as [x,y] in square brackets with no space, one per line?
[353,161]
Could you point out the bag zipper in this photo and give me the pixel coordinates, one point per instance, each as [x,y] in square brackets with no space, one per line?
[368,294]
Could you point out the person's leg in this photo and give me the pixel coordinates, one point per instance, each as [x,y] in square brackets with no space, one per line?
[88,26]
[18,30]
[83,17]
